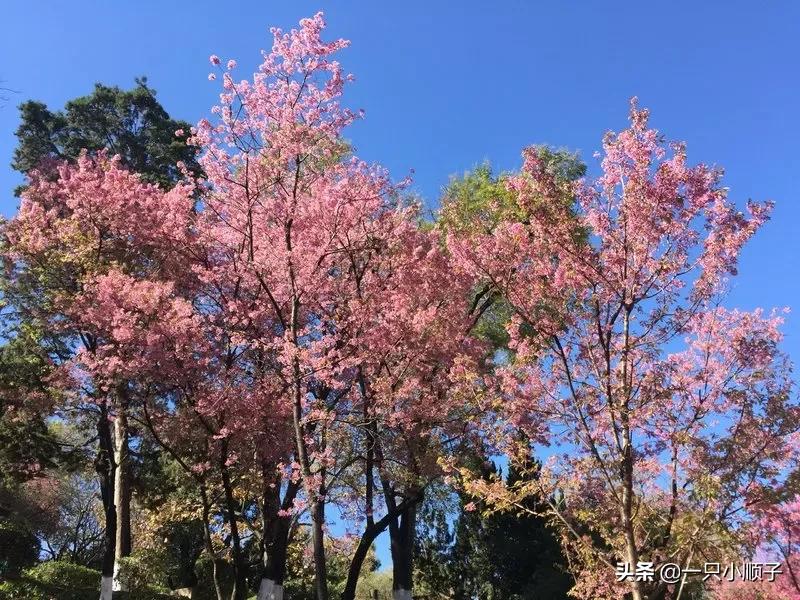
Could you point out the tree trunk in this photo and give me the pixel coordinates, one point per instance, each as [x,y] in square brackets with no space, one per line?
[626,514]
[276,533]
[208,541]
[122,486]
[105,467]
[372,529]
[402,547]
[357,562]
[317,496]
[231,508]
[317,507]
[318,541]
[371,533]
[626,466]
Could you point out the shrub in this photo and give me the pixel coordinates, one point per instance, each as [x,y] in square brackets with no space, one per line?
[58,580]
[21,590]
[143,570]
[61,573]
[147,594]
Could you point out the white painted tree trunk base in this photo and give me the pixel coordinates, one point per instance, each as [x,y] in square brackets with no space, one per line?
[269,590]
[401,595]
[116,584]
[106,587]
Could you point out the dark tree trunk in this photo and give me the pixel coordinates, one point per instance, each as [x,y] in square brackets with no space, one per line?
[367,539]
[318,542]
[106,472]
[276,533]
[231,509]
[317,503]
[208,541]
[372,455]
[401,536]
[357,562]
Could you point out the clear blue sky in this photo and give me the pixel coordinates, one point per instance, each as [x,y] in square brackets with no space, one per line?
[446,85]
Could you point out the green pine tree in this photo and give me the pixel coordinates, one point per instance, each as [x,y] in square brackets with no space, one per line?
[131,123]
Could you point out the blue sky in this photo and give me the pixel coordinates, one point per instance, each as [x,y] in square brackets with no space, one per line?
[446,85]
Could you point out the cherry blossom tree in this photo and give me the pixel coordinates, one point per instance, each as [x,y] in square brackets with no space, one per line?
[305,220]
[777,543]
[201,393]
[77,223]
[781,524]
[668,416]
[415,322]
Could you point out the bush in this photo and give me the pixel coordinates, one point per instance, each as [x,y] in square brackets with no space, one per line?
[143,570]
[376,580]
[19,549]
[21,590]
[142,595]
[60,573]
[57,580]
